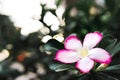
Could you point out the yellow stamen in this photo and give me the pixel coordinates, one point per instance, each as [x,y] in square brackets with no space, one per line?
[83,52]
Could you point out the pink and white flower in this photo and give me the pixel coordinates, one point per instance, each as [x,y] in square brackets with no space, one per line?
[83,54]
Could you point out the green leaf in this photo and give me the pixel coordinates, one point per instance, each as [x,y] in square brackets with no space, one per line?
[115,49]
[4,66]
[104,76]
[53,45]
[58,2]
[110,4]
[85,77]
[114,67]
[61,67]
[110,46]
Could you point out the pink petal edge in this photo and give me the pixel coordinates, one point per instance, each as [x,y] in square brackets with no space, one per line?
[100,55]
[97,32]
[92,39]
[66,56]
[80,67]
[106,62]
[72,42]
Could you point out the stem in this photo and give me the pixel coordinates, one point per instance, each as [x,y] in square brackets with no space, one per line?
[101,67]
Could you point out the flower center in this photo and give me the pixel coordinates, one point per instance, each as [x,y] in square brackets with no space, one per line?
[83,52]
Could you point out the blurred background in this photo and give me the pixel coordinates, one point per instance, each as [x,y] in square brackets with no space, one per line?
[26,26]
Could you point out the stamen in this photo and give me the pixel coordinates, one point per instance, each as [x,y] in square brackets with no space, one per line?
[83,52]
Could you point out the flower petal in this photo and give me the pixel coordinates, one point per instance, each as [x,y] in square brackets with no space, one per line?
[72,42]
[100,55]
[92,39]
[85,64]
[67,56]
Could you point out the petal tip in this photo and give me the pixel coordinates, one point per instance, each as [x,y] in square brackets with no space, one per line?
[57,56]
[66,56]
[100,55]
[98,33]
[108,61]
[82,71]
[72,42]
[71,37]
[57,59]
[92,39]
[83,68]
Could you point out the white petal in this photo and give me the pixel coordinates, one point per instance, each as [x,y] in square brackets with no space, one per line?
[92,39]
[100,55]
[67,56]
[72,42]
[85,65]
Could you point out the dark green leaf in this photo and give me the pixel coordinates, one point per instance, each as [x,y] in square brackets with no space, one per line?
[53,45]
[85,5]
[4,66]
[110,46]
[115,49]
[61,67]
[111,4]
[114,67]
[84,77]
[103,76]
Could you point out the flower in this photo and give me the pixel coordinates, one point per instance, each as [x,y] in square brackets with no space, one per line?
[83,54]
[24,14]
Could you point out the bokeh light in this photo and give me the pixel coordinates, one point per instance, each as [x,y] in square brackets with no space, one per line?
[4,54]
